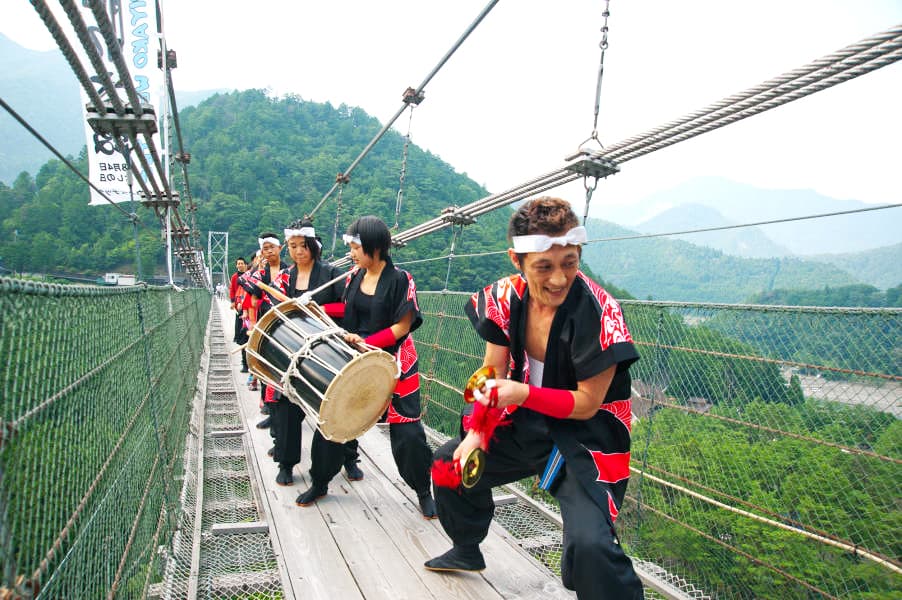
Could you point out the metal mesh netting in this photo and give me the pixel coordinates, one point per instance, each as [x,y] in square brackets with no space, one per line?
[222,549]
[97,388]
[766,446]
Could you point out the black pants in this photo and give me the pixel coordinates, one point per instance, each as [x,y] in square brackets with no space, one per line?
[285,427]
[240,337]
[593,563]
[408,446]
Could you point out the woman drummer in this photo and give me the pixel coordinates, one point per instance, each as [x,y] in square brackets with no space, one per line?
[307,273]
[381,310]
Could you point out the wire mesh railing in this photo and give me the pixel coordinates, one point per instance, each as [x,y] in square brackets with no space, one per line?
[97,385]
[767,445]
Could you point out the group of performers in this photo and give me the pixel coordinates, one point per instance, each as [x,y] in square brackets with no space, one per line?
[557,406]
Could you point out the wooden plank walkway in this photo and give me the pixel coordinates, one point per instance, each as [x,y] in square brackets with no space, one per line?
[367,539]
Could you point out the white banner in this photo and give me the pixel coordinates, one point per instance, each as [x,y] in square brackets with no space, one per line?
[135,25]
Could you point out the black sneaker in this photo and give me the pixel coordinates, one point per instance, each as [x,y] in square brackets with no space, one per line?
[353,472]
[312,495]
[458,558]
[264,424]
[244,369]
[284,477]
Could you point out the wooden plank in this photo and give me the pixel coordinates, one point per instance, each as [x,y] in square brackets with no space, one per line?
[510,571]
[367,539]
[239,528]
[417,539]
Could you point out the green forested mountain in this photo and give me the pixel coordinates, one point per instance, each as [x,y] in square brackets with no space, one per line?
[847,295]
[667,269]
[881,267]
[259,162]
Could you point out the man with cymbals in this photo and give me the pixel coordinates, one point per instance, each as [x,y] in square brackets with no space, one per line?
[561,351]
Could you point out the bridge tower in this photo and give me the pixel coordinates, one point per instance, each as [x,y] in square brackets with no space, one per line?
[218,255]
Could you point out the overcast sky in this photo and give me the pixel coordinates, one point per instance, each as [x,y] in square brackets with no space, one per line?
[518,96]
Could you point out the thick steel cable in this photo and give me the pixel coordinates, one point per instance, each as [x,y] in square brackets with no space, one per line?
[178,136]
[81,31]
[115,52]
[877,51]
[125,78]
[68,53]
[418,92]
[812,67]
[773,103]
[65,160]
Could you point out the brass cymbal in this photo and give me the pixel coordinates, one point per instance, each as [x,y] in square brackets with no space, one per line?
[477,381]
[473,467]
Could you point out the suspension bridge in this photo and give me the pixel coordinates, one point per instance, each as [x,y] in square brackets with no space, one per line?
[763,465]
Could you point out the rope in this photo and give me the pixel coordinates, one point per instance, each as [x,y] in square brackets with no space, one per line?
[798,436]
[742,553]
[741,225]
[749,515]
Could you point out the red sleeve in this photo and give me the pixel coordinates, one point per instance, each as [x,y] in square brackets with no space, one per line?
[233,286]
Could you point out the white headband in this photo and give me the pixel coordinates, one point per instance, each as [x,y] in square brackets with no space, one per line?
[541,243]
[262,241]
[302,232]
[351,238]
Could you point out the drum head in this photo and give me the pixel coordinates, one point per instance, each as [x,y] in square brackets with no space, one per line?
[358,396]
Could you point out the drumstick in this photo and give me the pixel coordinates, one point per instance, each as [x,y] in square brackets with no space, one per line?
[272,291]
[330,282]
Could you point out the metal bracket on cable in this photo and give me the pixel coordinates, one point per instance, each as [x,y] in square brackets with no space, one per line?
[591,165]
[112,124]
[163,200]
[451,215]
[412,97]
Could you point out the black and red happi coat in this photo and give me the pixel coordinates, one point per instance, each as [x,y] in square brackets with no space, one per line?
[588,335]
[395,296]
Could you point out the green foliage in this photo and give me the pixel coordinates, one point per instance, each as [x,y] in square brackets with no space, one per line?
[669,269]
[847,295]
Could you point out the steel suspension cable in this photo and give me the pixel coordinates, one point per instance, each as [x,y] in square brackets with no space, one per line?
[65,161]
[419,92]
[862,52]
[109,36]
[69,54]
[81,31]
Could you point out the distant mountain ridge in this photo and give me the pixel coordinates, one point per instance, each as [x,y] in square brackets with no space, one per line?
[668,269]
[748,242]
[739,203]
[41,88]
